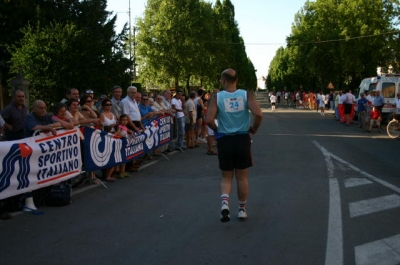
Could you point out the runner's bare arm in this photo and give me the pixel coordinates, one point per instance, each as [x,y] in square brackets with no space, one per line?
[255,111]
[212,112]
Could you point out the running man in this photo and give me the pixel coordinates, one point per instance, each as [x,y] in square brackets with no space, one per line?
[231,108]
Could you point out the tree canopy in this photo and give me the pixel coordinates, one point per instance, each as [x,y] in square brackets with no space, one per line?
[339,42]
[190,42]
[59,44]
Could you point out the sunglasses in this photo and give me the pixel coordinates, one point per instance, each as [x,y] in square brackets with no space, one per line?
[88,101]
[145,99]
[108,105]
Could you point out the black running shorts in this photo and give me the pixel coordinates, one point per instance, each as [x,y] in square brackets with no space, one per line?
[347,108]
[234,152]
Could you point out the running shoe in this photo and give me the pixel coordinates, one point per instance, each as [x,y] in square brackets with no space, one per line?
[225,213]
[242,214]
[201,140]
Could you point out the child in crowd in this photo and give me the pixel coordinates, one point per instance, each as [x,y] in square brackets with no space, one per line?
[375,119]
[122,132]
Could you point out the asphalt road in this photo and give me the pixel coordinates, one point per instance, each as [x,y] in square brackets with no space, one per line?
[320,193]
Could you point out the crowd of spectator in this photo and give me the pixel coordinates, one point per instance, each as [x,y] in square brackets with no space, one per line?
[343,103]
[123,116]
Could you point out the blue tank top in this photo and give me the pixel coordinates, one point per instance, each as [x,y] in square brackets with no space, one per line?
[233,112]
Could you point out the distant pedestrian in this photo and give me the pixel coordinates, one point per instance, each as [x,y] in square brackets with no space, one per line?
[361,110]
[348,105]
[322,99]
[273,101]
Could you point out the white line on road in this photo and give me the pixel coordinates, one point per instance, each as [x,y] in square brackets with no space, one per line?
[365,174]
[384,252]
[355,182]
[334,244]
[374,205]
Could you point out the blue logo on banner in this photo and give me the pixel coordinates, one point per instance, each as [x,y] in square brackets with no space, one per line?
[20,153]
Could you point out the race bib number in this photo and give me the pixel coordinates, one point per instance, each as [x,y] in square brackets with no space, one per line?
[234,104]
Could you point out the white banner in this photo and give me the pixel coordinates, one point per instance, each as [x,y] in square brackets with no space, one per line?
[36,162]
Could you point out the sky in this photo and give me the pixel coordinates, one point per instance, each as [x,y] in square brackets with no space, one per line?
[263,24]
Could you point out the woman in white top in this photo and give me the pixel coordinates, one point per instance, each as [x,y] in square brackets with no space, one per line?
[110,122]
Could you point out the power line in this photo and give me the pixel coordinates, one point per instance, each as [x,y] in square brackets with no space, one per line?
[347,39]
[306,42]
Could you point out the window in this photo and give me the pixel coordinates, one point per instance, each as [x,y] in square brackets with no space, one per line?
[388,90]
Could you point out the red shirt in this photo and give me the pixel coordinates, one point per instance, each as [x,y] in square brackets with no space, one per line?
[375,114]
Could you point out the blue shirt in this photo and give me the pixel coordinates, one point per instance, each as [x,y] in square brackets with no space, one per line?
[379,100]
[361,104]
[144,110]
[32,120]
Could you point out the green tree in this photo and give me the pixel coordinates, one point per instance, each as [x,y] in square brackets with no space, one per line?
[326,42]
[45,56]
[96,58]
[188,42]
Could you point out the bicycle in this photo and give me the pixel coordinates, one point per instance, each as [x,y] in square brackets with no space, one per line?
[393,129]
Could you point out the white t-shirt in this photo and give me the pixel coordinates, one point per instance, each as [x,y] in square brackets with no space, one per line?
[342,98]
[371,99]
[349,99]
[178,106]
[130,108]
[321,100]
[273,99]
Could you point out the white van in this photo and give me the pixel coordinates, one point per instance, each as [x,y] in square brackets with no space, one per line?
[367,85]
[389,85]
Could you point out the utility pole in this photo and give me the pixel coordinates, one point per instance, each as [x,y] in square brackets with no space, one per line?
[130,44]
[134,53]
